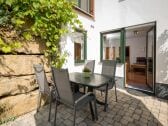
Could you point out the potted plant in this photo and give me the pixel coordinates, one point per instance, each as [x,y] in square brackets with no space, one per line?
[86,72]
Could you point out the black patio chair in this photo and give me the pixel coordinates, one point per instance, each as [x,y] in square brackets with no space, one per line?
[109,69]
[67,97]
[44,88]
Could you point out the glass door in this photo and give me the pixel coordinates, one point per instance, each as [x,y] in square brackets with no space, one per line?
[150,58]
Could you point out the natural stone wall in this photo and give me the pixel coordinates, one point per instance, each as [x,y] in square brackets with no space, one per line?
[14,106]
[33,47]
[18,87]
[20,64]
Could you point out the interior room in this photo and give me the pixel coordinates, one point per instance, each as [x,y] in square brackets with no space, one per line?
[139,55]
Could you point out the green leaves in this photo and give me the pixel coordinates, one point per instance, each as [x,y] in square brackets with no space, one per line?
[16,8]
[9,2]
[48,44]
[17,22]
[9,47]
[47,19]
[36,5]
[27,35]
[6,49]
[1,42]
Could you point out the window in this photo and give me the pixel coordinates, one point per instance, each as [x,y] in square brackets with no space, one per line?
[87,6]
[79,39]
[111,43]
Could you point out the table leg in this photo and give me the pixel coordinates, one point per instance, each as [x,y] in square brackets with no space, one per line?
[100,102]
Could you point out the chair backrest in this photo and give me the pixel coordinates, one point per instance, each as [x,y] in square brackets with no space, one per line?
[109,68]
[90,64]
[62,83]
[41,78]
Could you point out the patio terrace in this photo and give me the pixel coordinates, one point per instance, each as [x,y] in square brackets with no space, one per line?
[132,109]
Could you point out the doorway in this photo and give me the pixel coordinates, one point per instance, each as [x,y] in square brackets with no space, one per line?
[139,57]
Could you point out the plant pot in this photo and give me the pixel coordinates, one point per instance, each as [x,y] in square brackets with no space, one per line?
[86,74]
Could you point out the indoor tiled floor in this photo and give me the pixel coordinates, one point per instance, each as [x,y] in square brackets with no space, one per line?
[132,109]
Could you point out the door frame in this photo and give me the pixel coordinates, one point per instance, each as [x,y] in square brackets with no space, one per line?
[126,69]
[154,64]
[123,44]
[154,56]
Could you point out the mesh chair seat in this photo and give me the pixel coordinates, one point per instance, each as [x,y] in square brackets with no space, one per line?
[43,86]
[103,88]
[109,69]
[41,79]
[66,96]
[90,64]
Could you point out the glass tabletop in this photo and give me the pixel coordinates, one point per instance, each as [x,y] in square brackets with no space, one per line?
[95,80]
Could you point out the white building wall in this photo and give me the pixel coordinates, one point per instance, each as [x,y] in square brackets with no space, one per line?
[112,14]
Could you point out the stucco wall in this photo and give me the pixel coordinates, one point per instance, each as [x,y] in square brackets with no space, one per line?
[112,14]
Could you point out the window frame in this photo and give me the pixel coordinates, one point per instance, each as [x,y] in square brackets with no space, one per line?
[91,7]
[122,44]
[85,46]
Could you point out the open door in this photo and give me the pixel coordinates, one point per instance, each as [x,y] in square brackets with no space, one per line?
[140,60]
[150,57]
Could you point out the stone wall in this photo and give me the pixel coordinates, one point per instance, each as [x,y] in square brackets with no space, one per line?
[18,87]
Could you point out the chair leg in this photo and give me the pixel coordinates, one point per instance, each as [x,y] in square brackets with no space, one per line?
[74,116]
[96,116]
[106,96]
[51,96]
[115,92]
[91,110]
[39,102]
[84,89]
[55,117]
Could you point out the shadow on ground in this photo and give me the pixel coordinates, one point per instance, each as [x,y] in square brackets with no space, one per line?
[130,110]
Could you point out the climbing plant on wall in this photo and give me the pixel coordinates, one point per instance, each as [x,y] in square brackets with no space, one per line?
[48,20]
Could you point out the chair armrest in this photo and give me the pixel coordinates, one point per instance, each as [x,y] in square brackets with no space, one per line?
[84,96]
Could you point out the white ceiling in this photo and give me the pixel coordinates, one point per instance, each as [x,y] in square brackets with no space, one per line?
[141,31]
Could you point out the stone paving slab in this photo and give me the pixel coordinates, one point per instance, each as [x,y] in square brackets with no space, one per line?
[132,109]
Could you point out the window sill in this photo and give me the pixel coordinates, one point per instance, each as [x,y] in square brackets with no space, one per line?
[79,61]
[84,12]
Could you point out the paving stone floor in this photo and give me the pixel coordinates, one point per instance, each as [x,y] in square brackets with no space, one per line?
[132,109]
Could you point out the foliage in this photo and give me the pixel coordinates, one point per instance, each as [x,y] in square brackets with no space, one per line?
[7,120]
[86,69]
[9,47]
[3,109]
[48,20]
